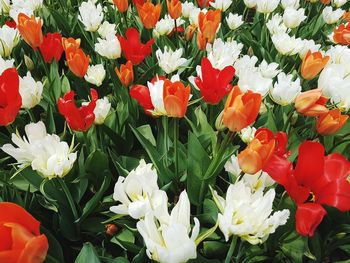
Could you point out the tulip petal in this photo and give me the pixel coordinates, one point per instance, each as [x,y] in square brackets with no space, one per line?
[10,256]
[308,217]
[35,250]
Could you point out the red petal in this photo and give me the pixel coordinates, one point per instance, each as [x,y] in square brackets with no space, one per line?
[336,194]
[308,217]
[10,256]
[35,250]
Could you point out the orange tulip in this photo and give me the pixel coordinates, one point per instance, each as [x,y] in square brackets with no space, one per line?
[312,64]
[341,34]
[125,74]
[311,103]
[175,97]
[209,23]
[78,62]
[258,152]
[174,8]
[325,2]
[149,14]
[190,30]
[346,16]
[122,5]
[30,30]
[70,44]
[241,109]
[331,122]
[201,41]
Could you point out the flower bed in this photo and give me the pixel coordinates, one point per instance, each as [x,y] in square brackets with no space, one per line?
[171,131]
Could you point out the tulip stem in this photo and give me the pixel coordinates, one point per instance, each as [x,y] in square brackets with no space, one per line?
[231,249]
[69,197]
[176,154]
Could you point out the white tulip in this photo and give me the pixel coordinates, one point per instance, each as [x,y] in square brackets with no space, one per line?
[247,214]
[234,21]
[330,16]
[287,45]
[245,63]
[290,3]
[292,17]
[169,242]
[95,74]
[339,3]
[107,30]
[340,55]
[170,61]
[90,15]
[285,90]
[254,81]
[30,90]
[247,134]
[232,166]
[308,45]
[187,8]
[276,26]
[138,192]
[258,182]
[103,106]
[194,16]
[266,6]
[269,70]
[5,64]
[222,54]
[44,152]
[109,48]
[223,5]
[9,38]
[166,25]
[250,3]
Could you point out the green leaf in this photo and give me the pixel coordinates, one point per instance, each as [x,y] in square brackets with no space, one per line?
[87,254]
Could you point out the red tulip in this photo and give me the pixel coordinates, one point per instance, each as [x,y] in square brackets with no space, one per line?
[20,241]
[78,119]
[11,23]
[52,48]
[142,95]
[10,99]
[317,180]
[132,48]
[214,84]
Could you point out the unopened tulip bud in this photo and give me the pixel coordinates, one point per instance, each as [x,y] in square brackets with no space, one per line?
[111,229]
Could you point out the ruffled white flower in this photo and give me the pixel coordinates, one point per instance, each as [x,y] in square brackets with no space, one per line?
[166,25]
[187,8]
[223,5]
[266,6]
[276,26]
[290,3]
[103,106]
[245,63]
[258,181]
[308,45]
[90,15]
[292,17]
[109,48]
[287,45]
[254,81]
[107,30]
[248,214]
[138,193]
[340,55]
[95,74]
[5,64]
[269,70]
[28,4]
[4,6]
[169,241]
[222,54]
[250,3]
[285,89]
[44,152]
[170,61]
[9,38]
[232,166]
[335,84]
[330,16]
[30,90]
[247,134]
[234,21]
[339,3]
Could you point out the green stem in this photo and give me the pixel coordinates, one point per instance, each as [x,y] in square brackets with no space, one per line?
[289,117]
[166,144]
[69,197]
[176,153]
[31,116]
[176,34]
[231,249]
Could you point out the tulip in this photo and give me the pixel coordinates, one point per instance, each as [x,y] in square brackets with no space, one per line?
[108,48]
[95,74]
[91,15]
[125,74]
[312,64]
[316,180]
[142,95]
[174,8]
[331,122]
[258,152]
[30,30]
[201,41]
[52,48]
[169,61]
[149,14]
[241,109]
[78,119]
[10,98]
[176,96]
[122,5]
[190,30]
[9,39]
[341,34]
[30,90]
[78,62]
[346,16]
[311,103]
[70,44]
[11,24]
[204,3]
[103,106]
[209,23]
[132,48]
[20,236]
